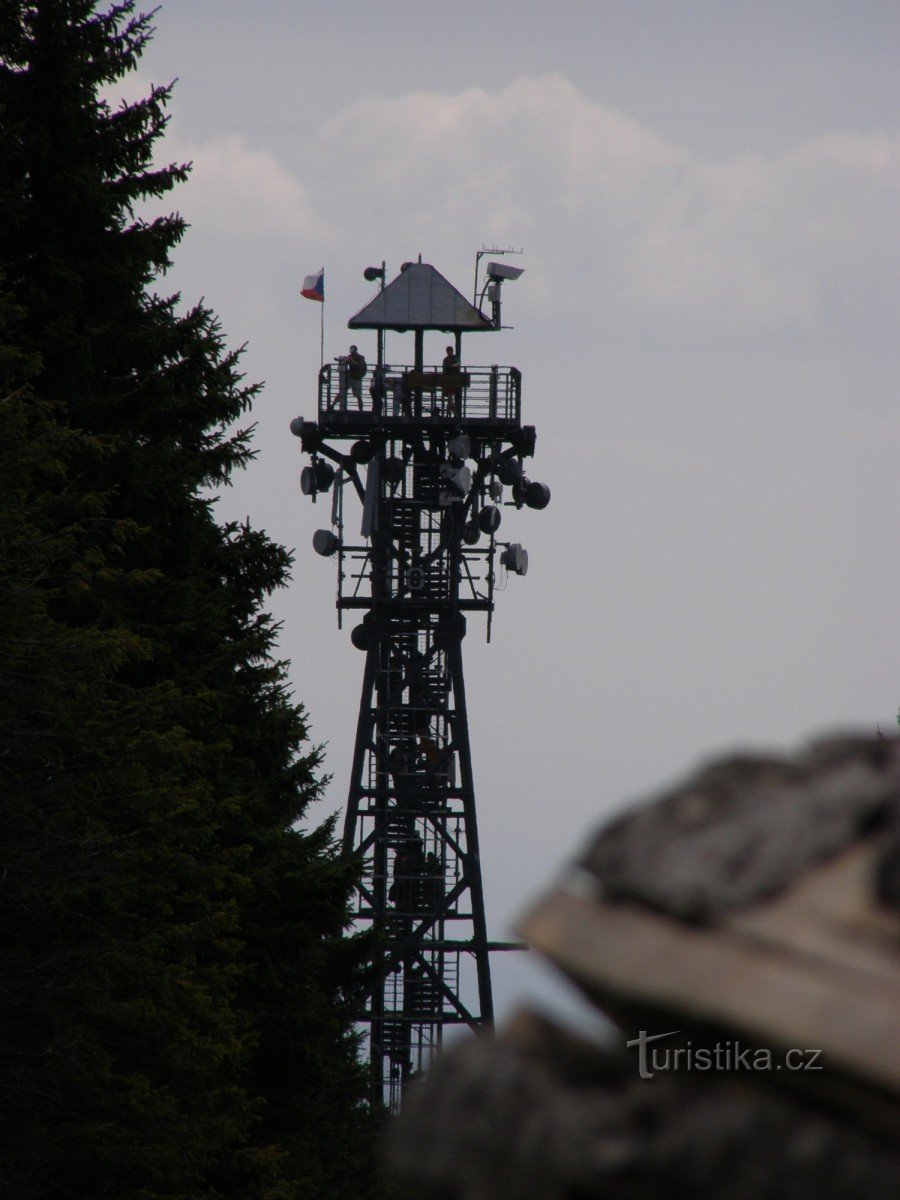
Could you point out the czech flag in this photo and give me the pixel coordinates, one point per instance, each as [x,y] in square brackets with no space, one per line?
[314,287]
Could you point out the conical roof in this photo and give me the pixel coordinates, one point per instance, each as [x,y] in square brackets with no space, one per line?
[420,298]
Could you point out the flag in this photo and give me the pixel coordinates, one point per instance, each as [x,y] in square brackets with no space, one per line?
[314,286]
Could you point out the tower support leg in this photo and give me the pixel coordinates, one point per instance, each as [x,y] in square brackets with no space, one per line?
[412,827]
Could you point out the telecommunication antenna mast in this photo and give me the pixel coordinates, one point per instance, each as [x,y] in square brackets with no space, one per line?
[433,454]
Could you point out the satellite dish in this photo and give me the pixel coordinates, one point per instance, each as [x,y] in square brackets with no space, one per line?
[489,519]
[537,495]
[324,475]
[460,446]
[360,637]
[509,470]
[325,542]
[316,479]
[458,478]
[515,558]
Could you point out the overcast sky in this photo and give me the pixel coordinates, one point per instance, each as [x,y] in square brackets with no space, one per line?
[707,197]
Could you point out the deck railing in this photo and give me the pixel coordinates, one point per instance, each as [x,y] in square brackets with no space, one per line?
[488,394]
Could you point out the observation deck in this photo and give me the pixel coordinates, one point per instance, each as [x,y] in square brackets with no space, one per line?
[486,399]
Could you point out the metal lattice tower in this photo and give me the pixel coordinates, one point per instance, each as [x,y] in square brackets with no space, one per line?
[434,453]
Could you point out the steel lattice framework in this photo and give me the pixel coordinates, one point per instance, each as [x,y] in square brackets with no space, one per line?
[433,455]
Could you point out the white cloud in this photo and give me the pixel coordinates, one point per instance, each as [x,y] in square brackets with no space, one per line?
[751,242]
[616,220]
[129,89]
[232,188]
[243,192]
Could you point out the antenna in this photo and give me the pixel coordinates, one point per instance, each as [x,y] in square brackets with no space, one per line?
[433,453]
[479,255]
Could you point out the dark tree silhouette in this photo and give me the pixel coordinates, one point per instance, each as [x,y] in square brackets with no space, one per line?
[177,992]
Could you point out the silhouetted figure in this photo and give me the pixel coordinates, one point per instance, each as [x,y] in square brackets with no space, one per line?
[353,369]
[378,389]
[452,381]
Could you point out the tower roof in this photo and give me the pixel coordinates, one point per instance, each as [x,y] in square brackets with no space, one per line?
[420,298]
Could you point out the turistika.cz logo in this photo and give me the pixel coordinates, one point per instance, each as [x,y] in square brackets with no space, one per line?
[723,1056]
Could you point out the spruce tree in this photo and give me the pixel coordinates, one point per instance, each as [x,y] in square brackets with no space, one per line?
[176,988]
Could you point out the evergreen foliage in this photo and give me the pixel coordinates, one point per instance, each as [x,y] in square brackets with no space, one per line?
[176,988]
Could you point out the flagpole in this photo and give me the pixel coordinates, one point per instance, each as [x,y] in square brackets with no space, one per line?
[314,289]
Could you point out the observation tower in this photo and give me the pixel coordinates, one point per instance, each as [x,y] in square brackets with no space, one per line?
[435,456]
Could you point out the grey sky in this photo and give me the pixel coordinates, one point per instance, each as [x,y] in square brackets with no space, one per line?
[707,197]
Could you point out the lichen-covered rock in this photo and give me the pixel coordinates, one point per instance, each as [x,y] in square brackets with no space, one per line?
[535,1114]
[744,827]
[757,905]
